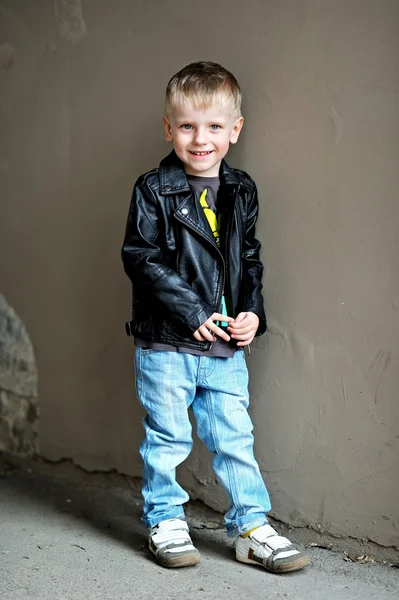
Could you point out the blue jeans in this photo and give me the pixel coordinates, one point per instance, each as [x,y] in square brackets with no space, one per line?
[168,383]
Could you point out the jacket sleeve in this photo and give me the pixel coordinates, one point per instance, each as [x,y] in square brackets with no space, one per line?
[252,265]
[146,266]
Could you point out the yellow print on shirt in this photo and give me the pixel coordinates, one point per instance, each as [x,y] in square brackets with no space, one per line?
[213,223]
[210,215]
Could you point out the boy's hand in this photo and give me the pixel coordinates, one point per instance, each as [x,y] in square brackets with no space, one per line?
[244,328]
[209,329]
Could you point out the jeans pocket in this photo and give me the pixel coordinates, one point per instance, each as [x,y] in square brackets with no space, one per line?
[147,351]
[241,371]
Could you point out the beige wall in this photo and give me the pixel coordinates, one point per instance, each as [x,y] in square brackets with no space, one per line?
[81,105]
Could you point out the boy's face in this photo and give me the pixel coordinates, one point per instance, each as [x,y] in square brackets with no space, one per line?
[201,138]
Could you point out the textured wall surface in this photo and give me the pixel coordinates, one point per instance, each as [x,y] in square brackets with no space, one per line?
[19,411]
[82,86]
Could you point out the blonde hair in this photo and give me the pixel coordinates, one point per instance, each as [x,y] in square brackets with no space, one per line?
[203,84]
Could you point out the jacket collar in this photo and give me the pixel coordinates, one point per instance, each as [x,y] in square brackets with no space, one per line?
[173,178]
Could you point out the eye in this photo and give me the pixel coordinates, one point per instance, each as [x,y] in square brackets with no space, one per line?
[215,127]
[186,126]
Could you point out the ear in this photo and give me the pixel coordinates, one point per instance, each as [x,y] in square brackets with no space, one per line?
[235,132]
[168,129]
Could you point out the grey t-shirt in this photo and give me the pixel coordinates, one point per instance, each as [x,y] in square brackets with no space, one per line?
[220,347]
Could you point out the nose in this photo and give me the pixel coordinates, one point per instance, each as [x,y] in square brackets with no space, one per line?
[200,136]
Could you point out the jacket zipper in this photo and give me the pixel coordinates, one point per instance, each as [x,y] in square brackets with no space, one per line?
[214,246]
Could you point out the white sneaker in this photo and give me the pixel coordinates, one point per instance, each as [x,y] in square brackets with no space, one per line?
[171,544]
[276,553]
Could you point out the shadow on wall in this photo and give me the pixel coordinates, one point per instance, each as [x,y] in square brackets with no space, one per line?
[19,411]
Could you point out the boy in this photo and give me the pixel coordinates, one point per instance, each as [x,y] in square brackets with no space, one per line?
[192,256]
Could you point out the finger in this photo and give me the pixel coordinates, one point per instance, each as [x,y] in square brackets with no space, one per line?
[241,324]
[240,330]
[206,333]
[220,333]
[198,336]
[246,343]
[249,320]
[240,317]
[223,318]
[245,336]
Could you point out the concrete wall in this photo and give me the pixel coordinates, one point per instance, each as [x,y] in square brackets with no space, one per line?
[19,411]
[81,104]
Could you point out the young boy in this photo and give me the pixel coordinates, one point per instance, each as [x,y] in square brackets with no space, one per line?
[192,256]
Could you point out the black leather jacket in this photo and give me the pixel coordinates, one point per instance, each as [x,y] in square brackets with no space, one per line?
[177,271]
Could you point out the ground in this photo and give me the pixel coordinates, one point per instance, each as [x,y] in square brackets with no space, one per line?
[69,535]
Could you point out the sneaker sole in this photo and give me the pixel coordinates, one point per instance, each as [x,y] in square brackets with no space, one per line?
[294,565]
[183,560]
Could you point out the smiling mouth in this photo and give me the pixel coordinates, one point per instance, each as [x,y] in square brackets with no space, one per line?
[201,153]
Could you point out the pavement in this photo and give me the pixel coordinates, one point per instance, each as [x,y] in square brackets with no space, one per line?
[69,535]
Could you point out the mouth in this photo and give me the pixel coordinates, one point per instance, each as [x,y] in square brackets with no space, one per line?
[206,153]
